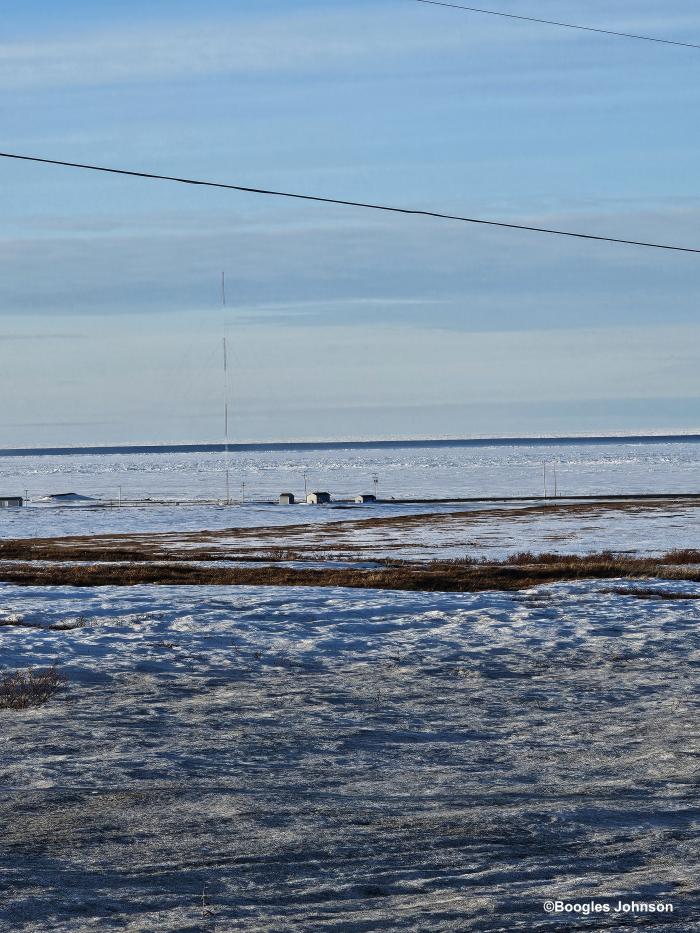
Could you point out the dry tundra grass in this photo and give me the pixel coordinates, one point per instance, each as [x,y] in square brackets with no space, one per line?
[31,688]
[517,572]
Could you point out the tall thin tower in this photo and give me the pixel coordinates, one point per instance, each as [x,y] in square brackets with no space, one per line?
[227,468]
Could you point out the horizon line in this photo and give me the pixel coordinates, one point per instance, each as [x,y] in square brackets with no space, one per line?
[217,447]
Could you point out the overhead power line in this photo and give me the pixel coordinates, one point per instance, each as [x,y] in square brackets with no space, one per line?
[553,22]
[415,212]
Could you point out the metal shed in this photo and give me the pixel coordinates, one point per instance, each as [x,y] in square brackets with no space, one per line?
[11,502]
[365,497]
[287,498]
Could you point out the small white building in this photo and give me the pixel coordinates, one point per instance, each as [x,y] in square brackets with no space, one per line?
[365,497]
[318,498]
[287,498]
[11,502]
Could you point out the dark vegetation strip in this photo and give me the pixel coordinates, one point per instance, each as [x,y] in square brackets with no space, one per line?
[644,593]
[139,554]
[439,576]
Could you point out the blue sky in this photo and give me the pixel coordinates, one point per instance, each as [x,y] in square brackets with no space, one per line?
[344,323]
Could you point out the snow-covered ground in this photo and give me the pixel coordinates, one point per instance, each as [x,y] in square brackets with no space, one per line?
[402,472]
[59,521]
[273,759]
[371,531]
[494,533]
[326,759]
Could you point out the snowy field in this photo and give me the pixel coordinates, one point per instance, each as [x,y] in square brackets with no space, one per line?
[640,529]
[58,521]
[266,759]
[373,531]
[271,759]
[403,472]
[319,535]
[581,469]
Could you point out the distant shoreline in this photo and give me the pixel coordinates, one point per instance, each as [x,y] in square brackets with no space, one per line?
[353,445]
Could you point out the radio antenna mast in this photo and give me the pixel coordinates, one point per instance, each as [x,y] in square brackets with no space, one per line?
[226,393]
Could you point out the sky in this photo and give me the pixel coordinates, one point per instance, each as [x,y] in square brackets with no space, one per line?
[343,323]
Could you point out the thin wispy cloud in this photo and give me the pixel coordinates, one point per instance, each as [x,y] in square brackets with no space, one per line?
[110,288]
[243,46]
[41,337]
[328,271]
[317,40]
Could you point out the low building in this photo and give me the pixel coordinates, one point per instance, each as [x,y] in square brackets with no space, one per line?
[11,502]
[287,498]
[318,498]
[365,497]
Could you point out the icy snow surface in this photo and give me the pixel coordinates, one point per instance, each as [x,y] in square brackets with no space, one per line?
[268,759]
[402,471]
[492,532]
[276,759]
[434,472]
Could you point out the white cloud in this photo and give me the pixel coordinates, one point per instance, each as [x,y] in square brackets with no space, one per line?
[316,40]
[242,46]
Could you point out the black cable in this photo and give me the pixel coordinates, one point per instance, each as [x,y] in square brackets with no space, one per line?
[343,203]
[553,22]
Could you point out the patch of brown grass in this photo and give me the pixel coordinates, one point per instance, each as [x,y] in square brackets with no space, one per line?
[519,572]
[133,550]
[671,557]
[28,689]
